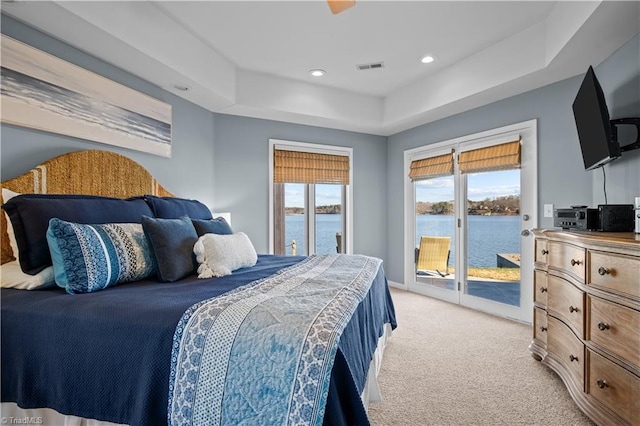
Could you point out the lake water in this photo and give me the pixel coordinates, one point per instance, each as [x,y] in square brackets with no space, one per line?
[488,235]
[327,225]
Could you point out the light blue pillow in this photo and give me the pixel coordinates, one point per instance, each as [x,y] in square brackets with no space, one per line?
[89,258]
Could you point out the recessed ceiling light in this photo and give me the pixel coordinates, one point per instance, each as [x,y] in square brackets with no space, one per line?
[181,87]
[427,59]
[317,73]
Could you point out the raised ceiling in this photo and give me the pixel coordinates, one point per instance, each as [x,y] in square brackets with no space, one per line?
[252,58]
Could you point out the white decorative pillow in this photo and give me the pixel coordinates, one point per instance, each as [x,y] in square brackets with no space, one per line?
[8,194]
[219,255]
[11,276]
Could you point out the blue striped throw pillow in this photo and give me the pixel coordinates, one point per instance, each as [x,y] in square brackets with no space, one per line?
[89,258]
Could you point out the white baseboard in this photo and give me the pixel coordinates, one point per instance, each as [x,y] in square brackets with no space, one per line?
[397,285]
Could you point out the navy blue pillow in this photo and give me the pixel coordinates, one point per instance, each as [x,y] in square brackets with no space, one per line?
[174,208]
[172,242]
[214,226]
[30,215]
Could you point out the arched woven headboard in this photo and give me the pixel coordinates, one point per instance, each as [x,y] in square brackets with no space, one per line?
[91,172]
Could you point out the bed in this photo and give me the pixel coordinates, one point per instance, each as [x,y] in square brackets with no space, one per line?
[288,339]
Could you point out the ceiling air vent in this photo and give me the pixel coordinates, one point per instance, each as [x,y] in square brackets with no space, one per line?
[371,66]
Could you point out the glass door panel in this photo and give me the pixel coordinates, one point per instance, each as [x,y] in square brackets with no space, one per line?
[329,219]
[295,218]
[493,236]
[435,233]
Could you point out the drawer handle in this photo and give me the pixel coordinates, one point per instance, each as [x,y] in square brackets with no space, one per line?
[603,326]
[573,309]
[542,328]
[603,271]
[573,358]
[575,262]
[602,384]
[545,252]
[543,289]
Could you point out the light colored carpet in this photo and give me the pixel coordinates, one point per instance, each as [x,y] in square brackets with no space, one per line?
[449,365]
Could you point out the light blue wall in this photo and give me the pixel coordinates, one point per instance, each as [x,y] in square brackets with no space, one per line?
[619,77]
[562,180]
[242,187]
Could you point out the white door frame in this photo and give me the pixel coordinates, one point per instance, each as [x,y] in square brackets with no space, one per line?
[280,144]
[528,206]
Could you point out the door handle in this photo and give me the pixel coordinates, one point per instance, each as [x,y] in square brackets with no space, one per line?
[525,232]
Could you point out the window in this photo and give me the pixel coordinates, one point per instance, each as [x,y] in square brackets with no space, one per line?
[310,198]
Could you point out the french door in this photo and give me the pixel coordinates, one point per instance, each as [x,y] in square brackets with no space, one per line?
[467,224]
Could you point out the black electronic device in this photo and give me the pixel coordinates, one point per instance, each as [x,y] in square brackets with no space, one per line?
[615,217]
[597,133]
[576,217]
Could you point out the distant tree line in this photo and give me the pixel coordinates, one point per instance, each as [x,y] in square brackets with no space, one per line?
[329,209]
[506,205]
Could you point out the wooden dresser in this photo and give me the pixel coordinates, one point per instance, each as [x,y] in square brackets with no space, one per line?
[586,324]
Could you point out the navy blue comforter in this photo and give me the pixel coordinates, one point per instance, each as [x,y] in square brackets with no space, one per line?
[106,355]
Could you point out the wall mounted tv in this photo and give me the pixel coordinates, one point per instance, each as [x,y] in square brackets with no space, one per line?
[597,133]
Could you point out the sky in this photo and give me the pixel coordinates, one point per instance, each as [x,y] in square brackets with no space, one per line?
[325,195]
[480,187]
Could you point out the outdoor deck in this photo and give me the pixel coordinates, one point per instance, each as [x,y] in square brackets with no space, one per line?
[507,292]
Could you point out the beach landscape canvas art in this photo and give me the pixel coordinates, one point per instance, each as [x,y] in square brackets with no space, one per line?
[43,92]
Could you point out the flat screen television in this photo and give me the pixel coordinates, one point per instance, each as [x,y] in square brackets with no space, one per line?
[597,141]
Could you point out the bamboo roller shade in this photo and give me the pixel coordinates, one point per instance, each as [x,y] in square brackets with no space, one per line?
[505,156]
[426,168]
[310,168]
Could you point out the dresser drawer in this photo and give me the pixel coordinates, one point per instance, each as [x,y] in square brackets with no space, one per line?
[542,252]
[615,272]
[540,325]
[615,387]
[566,302]
[567,258]
[540,287]
[567,349]
[615,328]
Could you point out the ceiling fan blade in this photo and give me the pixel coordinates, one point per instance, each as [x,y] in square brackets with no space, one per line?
[338,6]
